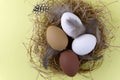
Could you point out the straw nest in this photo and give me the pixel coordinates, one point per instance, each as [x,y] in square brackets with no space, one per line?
[50,14]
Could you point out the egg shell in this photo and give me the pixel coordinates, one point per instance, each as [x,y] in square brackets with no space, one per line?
[84,44]
[56,38]
[69,62]
[72,25]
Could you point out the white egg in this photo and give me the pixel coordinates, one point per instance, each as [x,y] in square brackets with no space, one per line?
[72,25]
[84,44]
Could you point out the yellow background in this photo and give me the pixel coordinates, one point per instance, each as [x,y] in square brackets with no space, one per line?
[15,27]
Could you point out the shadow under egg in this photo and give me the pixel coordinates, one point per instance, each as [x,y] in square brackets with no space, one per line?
[69,46]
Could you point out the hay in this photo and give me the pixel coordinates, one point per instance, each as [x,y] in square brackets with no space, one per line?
[44,18]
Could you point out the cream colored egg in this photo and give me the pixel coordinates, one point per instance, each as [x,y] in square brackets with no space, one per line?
[56,38]
[84,44]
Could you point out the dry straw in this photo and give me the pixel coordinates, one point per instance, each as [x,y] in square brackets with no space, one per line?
[49,13]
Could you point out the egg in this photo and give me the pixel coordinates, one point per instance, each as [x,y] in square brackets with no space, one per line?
[56,38]
[84,44]
[69,62]
[72,25]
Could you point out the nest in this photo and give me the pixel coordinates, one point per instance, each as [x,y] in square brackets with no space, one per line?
[50,14]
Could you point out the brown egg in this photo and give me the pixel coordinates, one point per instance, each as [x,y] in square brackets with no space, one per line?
[56,38]
[69,62]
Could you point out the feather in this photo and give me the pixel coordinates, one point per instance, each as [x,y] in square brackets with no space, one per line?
[57,11]
[92,28]
[50,52]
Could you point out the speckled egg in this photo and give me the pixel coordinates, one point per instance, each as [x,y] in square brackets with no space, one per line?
[72,25]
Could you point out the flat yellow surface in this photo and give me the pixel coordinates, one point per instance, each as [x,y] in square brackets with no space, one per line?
[15,27]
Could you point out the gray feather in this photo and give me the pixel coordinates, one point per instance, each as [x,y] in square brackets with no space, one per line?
[48,55]
[57,11]
[92,28]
